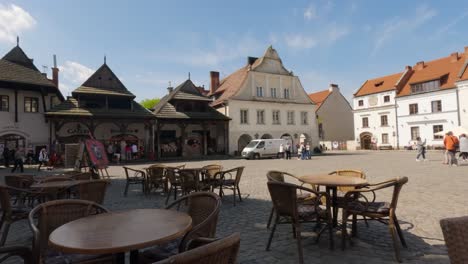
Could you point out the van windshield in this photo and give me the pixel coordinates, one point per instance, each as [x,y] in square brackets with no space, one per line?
[252,144]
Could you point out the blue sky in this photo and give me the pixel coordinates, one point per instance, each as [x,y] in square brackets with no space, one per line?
[149,43]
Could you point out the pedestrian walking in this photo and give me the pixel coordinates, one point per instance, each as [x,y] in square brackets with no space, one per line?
[19,160]
[421,147]
[110,151]
[280,154]
[463,147]
[6,156]
[288,151]
[128,152]
[43,158]
[308,154]
[134,151]
[451,144]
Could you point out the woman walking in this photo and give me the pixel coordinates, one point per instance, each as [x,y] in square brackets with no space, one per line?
[421,147]
[43,158]
[463,147]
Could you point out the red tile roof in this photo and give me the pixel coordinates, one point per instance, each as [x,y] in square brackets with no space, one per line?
[319,97]
[230,85]
[378,85]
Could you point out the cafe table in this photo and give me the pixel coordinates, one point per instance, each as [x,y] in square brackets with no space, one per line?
[120,232]
[57,184]
[331,183]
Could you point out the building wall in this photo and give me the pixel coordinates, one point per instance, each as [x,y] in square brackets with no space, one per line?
[426,119]
[32,126]
[374,107]
[336,116]
[463,101]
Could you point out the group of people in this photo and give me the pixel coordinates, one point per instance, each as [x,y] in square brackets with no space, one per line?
[452,145]
[18,157]
[303,151]
[122,151]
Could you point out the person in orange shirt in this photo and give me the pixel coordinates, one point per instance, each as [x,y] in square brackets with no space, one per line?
[451,144]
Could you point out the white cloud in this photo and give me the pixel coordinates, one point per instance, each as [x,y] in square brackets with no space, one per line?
[337,32]
[452,23]
[310,12]
[72,75]
[396,26]
[13,22]
[300,41]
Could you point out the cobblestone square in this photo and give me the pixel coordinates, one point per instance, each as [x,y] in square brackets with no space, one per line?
[434,191]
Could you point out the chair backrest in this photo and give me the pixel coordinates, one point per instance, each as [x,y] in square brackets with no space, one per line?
[221,251]
[284,198]
[348,173]
[211,170]
[132,173]
[204,209]
[46,217]
[189,179]
[56,179]
[82,176]
[5,202]
[156,171]
[94,190]
[239,171]
[398,185]
[455,232]
[277,176]
[172,174]
[19,181]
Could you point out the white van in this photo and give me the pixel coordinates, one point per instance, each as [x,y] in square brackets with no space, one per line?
[263,148]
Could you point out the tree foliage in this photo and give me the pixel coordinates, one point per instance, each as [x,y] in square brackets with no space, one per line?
[150,103]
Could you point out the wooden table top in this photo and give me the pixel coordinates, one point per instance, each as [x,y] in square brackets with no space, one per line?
[57,184]
[333,180]
[121,231]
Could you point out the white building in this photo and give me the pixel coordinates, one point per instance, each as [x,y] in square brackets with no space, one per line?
[264,100]
[462,84]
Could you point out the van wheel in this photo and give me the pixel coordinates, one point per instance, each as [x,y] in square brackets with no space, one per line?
[257,156]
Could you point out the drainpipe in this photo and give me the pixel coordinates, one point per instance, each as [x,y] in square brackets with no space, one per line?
[396,124]
[458,107]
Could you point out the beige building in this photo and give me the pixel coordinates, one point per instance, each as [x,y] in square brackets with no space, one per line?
[25,94]
[264,100]
[334,117]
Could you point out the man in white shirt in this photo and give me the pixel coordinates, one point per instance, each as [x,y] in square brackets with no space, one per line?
[134,150]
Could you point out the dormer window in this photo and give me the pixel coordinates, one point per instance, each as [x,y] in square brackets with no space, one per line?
[425,86]
[378,84]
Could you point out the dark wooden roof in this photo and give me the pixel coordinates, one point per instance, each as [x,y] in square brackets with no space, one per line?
[17,56]
[186,91]
[104,82]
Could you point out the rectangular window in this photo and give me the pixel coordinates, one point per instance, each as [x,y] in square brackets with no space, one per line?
[365,122]
[386,98]
[425,87]
[5,103]
[290,117]
[361,102]
[384,138]
[286,93]
[31,105]
[304,118]
[436,106]
[261,117]
[413,109]
[259,91]
[437,128]
[276,117]
[244,116]
[273,92]
[384,120]
[414,133]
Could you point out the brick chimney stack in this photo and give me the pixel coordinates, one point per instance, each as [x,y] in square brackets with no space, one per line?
[55,73]
[466,51]
[419,65]
[454,57]
[333,87]
[214,81]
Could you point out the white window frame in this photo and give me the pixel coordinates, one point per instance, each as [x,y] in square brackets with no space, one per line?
[286,93]
[304,118]
[276,121]
[260,113]
[244,120]
[273,92]
[259,91]
[290,118]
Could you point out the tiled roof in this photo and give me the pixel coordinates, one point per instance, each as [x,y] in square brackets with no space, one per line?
[319,97]
[70,107]
[378,85]
[446,69]
[230,85]
[103,81]
[17,56]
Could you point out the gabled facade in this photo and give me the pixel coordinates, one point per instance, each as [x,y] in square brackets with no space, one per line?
[334,116]
[25,95]
[264,100]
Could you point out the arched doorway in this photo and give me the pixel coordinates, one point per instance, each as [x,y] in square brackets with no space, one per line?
[267,136]
[366,140]
[243,141]
[288,137]
[13,141]
[304,138]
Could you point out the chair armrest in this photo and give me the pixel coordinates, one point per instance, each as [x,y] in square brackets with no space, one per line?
[10,251]
[200,241]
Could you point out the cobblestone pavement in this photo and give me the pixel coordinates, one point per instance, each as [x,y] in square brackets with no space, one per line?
[434,191]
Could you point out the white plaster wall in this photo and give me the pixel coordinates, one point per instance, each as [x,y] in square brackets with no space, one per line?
[336,117]
[463,100]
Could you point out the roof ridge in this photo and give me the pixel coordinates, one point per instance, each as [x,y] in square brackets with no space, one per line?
[17,56]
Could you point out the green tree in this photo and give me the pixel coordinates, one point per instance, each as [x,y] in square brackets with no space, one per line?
[150,103]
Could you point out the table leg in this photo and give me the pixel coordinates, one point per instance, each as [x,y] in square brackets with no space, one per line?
[134,257]
[120,258]
[335,206]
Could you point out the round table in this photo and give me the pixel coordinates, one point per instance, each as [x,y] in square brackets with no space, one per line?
[332,182]
[56,184]
[119,232]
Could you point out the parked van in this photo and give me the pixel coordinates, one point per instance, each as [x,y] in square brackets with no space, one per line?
[263,148]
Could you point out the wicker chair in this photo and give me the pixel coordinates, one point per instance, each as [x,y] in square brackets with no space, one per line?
[46,217]
[204,209]
[156,178]
[278,176]
[173,177]
[56,179]
[134,177]
[82,176]
[226,180]
[209,251]
[94,190]
[16,251]
[384,212]
[190,182]
[455,232]
[289,211]
[209,172]
[19,182]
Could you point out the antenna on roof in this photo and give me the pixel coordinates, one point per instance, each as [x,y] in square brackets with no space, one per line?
[189,75]
[17,41]
[104,59]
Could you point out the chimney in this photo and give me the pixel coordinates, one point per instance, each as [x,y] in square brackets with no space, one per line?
[170,89]
[408,68]
[454,57]
[214,81]
[251,60]
[55,73]
[419,65]
[333,87]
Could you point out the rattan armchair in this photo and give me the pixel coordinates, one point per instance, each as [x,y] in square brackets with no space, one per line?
[156,178]
[173,177]
[46,217]
[16,251]
[289,211]
[385,212]
[229,179]
[93,190]
[134,177]
[209,251]
[21,182]
[455,232]
[204,209]
[209,172]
